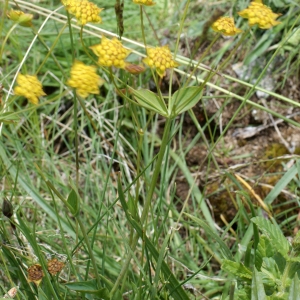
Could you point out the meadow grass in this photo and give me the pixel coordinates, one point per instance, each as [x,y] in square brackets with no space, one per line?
[93,182]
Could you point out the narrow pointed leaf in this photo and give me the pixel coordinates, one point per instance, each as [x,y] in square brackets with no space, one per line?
[174,287]
[224,248]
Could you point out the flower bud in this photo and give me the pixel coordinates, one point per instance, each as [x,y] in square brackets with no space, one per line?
[20,17]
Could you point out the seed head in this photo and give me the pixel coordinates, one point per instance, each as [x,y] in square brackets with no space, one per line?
[160,58]
[54,266]
[29,87]
[84,11]
[84,79]
[144,2]
[35,274]
[111,53]
[260,14]
[225,25]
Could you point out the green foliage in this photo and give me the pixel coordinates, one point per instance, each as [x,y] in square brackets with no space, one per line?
[273,270]
[94,183]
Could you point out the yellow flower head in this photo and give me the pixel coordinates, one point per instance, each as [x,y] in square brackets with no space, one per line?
[84,79]
[20,17]
[29,87]
[83,10]
[160,58]
[111,53]
[35,274]
[226,26]
[260,14]
[144,2]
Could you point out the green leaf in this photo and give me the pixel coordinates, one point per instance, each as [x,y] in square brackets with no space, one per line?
[274,234]
[281,184]
[225,250]
[184,99]
[257,287]
[237,269]
[73,203]
[89,287]
[9,117]
[264,249]
[263,44]
[150,101]
[294,293]
[294,39]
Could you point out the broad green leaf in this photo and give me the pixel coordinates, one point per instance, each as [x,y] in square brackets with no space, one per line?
[89,287]
[73,203]
[184,99]
[264,249]
[237,269]
[257,287]
[294,39]
[151,101]
[224,248]
[269,271]
[294,293]
[274,234]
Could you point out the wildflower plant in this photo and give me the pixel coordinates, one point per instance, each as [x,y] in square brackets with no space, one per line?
[110,205]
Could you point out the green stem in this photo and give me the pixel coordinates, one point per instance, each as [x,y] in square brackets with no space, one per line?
[147,204]
[90,250]
[5,40]
[142,26]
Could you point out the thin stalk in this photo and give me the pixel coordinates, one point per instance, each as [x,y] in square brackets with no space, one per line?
[147,204]
[90,250]
[5,40]
[142,26]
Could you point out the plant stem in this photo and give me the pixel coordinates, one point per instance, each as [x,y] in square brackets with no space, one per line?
[147,204]
[90,250]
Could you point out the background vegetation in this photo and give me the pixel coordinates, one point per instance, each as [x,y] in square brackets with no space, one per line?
[81,202]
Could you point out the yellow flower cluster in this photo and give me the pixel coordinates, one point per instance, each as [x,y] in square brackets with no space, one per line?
[144,2]
[260,14]
[160,58]
[225,25]
[29,87]
[83,10]
[84,79]
[111,53]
